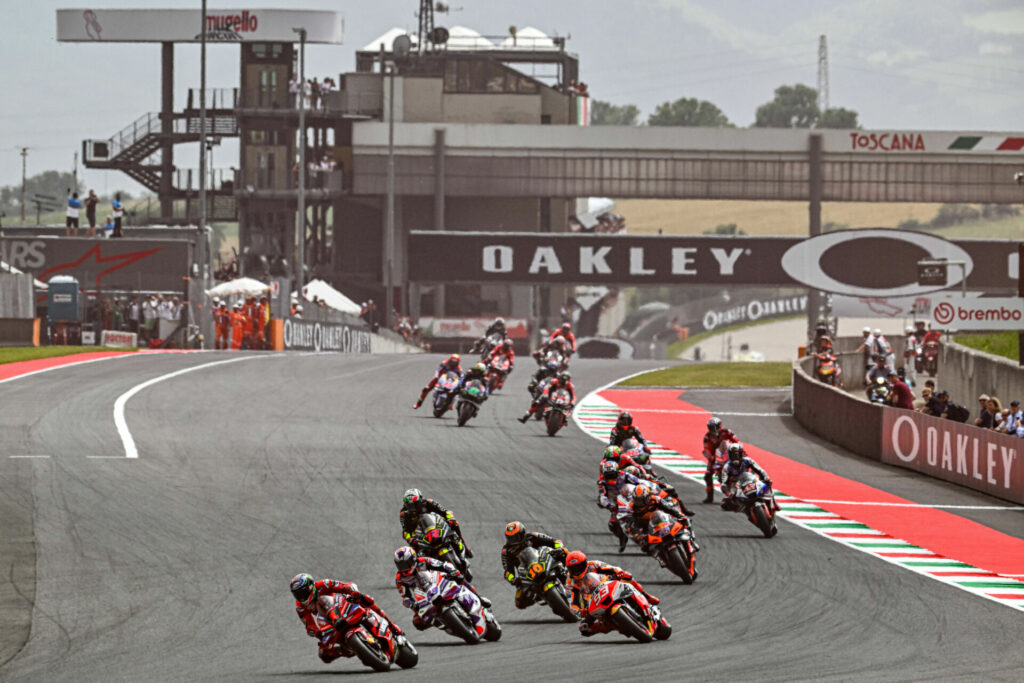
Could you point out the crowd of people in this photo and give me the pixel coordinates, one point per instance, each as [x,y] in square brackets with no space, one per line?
[244,325]
[314,92]
[134,314]
[112,226]
[991,413]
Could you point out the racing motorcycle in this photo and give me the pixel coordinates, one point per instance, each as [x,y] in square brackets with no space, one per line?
[541,378]
[470,399]
[445,392]
[930,356]
[543,577]
[434,538]
[828,370]
[452,608]
[557,411]
[756,500]
[879,391]
[363,634]
[484,345]
[632,448]
[497,371]
[672,543]
[621,606]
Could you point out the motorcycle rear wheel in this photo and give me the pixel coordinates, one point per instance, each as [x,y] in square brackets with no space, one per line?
[559,604]
[369,655]
[458,627]
[628,625]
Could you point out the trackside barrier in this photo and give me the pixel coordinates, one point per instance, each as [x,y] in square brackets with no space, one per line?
[297,334]
[19,331]
[979,459]
[968,373]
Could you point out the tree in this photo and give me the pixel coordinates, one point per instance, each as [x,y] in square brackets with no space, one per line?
[794,106]
[688,111]
[608,114]
[725,229]
[838,117]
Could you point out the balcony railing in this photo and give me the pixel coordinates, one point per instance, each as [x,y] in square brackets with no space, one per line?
[216,98]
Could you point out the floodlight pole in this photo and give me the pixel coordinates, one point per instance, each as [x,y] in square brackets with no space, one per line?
[300,227]
[390,213]
[202,122]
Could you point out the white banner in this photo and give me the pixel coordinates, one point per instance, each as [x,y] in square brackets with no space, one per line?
[471,328]
[118,339]
[1005,313]
[896,307]
[183,25]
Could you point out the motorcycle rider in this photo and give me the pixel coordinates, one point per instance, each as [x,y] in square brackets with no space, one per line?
[562,380]
[503,348]
[565,331]
[453,364]
[878,371]
[578,566]
[634,514]
[517,538]
[478,371]
[415,504]
[409,566]
[740,463]
[611,485]
[910,350]
[715,440]
[624,429]
[497,327]
[307,591]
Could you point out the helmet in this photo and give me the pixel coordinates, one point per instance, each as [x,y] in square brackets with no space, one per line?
[625,419]
[412,496]
[630,445]
[714,425]
[304,588]
[612,453]
[405,560]
[609,470]
[564,377]
[480,367]
[866,330]
[499,322]
[825,342]
[631,469]
[566,328]
[642,496]
[552,365]
[909,330]
[878,332]
[515,533]
[576,563]
[735,452]
[453,360]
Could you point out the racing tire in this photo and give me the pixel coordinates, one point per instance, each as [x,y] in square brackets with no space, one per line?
[679,564]
[465,411]
[555,421]
[440,408]
[629,626]
[559,604]
[458,627]
[406,655]
[369,655]
[764,523]
[663,631]
[493,632]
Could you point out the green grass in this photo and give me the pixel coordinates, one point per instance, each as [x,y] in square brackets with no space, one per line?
[19,353]
[997,343]
[777,374]
[676,348]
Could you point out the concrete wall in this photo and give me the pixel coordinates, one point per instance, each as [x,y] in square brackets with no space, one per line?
[421,100]
[968,373]
[483,108]
[835,416]
[382,344]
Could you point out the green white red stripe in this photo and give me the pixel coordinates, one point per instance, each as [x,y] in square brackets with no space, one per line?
[987,143]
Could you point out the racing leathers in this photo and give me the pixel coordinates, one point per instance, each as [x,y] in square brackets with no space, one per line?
[502,349]
[619,434]
[634,518]
[316,624]
[475,373]
[409,517]
[542,400]
[714,452]
[510,558]
[407,582]
[579,598]
[733,470]
[567,335]
[607,497]
[444,367]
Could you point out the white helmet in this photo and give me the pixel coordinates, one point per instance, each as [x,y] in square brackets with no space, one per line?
[878,332]
[909,330]
[867,330]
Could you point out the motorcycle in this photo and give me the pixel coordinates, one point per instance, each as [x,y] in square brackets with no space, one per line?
[632,448]
[622,607]
[453,608]
[436,539]
[673,545]
[557,412]
[931,357]
[484,345]
[470,399]
[879,391]
[497,371]
[360,632]
[828,370]
[543,577]
[539,381]
[756,500]
[445,392]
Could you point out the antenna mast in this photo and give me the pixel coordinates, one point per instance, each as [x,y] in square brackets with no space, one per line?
[426,29]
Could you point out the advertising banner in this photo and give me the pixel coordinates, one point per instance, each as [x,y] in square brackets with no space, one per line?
[150,265]
[919,306]
[1005,313]
[964,454]
[754,310]
[310,335]
[115,338]
[471,328]
[861,263]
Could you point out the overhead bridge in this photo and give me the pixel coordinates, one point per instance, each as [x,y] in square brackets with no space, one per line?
[500,160]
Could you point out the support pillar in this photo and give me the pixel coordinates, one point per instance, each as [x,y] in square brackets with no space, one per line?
[439,209]
[814,179]
[166,126]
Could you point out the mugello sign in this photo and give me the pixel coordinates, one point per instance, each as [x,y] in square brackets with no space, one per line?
[979,314]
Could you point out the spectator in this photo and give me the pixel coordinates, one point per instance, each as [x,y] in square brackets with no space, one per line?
[149,316]
[984,419]
[368,313]
[995,410]
[118,216]
[867,348]
[325,89]
[949,410]
[108,227]
[297,311]
[883,348]
[901,396]
[133,316]
[72,214]
[293,90]
[90,212]
[313,92]
[922,401]
[909,356]
[1014,419]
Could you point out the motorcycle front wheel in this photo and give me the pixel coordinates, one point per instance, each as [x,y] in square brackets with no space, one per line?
[764,523]
[459,628]
[559,604]
[465,410]
[680,565]
[368,654]
[629,626]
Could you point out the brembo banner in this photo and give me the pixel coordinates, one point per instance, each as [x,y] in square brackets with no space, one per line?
[310,335]
[1004,313]
[964,454]
[875,262]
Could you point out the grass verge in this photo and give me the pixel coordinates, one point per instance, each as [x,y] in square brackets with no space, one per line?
[997,343]
[19,353]
[777,374]
[676,348]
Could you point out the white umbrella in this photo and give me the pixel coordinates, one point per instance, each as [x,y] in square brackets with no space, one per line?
[243,285]
[330,296]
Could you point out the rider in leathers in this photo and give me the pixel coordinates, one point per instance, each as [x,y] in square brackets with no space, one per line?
[517,538]
[612,484]
[739,463]
[408,577]
[307,591]
[578,566]
[561,380]
[615,454]
[502,349]
[624,429]
[452,363]
[715,439]
[634,515]
[415,504]
[478,371]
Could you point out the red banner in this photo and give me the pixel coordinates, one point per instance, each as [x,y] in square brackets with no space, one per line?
[980,459]
[471,328]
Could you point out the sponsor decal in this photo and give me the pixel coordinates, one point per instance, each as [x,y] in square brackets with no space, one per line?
[887,142]
[92,25]
[229,27]
[305,335]
[979,314]
[118,339]
[471,328]
[755,310]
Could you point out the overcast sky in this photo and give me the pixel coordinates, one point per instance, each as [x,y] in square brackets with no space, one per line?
[912,64]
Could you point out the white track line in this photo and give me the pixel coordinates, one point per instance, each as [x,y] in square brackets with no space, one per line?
[939,506]
[28,456]
[702,412]
[130,451]
[69,365]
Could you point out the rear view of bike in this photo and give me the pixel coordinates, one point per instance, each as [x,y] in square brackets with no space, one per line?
[470,400]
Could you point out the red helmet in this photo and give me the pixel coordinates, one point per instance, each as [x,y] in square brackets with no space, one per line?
[576,563]
[453,360]
[566,328]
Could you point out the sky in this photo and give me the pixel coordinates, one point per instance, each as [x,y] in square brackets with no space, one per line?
[907,65]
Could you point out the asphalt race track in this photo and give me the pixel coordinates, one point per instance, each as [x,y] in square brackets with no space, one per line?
[175,566]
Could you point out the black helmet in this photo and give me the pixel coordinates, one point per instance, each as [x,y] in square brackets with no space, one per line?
[515,533]
[714,425]
[735,452]
[564,377]
[609,470]
[304,588]
[625,419]
[499,323]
